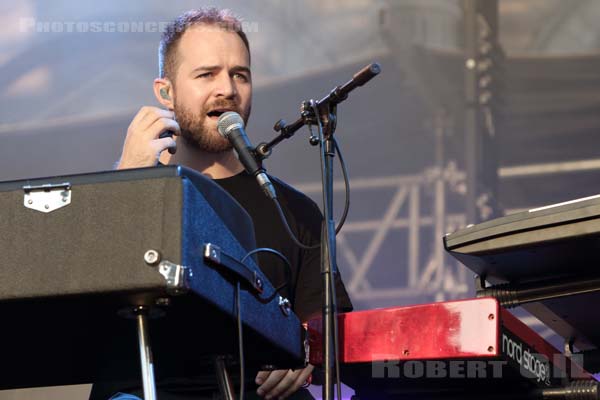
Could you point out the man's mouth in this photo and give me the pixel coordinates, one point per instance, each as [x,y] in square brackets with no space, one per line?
[217,112]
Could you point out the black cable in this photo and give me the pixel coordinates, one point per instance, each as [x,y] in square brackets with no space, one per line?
[331,288]
[289,230]
[346,201]
[346,186]
[238,307]
[288,271]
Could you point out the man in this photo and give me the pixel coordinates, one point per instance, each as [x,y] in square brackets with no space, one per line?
[204,68]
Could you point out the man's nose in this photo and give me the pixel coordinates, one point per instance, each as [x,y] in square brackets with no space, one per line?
[226,86]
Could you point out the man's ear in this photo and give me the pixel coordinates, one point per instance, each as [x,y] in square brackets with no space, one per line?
[163,91]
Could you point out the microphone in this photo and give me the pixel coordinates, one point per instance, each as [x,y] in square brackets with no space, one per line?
[231,127]
[170,134]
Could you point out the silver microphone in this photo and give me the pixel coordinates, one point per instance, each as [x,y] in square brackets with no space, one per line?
[231,127]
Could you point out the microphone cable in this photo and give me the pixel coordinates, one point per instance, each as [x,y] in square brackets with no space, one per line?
[238,308]
[288,270]
[346,203]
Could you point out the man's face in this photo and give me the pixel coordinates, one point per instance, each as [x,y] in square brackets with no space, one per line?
[213,77]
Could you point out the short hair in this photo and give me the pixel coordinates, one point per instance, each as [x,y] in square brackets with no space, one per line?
[167,50]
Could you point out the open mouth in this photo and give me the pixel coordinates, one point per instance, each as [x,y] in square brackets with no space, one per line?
[215,114]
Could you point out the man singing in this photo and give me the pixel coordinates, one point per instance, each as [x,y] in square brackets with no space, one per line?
[204,71]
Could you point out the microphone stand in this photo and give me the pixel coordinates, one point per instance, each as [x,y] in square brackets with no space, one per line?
[323,113]
[328,256]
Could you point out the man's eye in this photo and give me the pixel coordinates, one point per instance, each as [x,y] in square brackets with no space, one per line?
[204,75]
[241,77]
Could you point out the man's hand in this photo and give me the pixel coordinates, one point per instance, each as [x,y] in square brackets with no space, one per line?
[142,146]
[282,383]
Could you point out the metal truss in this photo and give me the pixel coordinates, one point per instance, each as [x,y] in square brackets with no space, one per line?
[433,275]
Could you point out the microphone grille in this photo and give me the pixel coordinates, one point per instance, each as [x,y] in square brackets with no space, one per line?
[229,120]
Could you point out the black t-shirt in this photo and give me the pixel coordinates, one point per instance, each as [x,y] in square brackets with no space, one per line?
[304,218]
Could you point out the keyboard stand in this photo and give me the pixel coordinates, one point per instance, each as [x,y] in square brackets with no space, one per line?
[225,383]
[141,315]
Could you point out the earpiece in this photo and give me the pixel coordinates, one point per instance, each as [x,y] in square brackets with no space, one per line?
[164,94]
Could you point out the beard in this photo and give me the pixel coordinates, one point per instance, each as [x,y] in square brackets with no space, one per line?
[196,132]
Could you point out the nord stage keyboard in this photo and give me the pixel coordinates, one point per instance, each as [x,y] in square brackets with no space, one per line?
[457,349]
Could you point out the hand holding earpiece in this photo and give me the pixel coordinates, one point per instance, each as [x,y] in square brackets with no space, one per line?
[144,143]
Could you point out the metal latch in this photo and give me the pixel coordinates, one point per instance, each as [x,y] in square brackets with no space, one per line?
[176,276]
[47,198]
[285,306]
